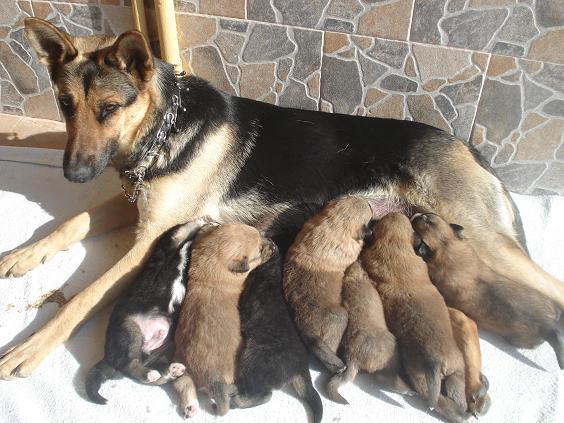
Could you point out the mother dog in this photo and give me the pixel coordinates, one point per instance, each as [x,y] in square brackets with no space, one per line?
[190,150]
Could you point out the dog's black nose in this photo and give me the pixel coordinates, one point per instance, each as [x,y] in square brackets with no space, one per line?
[79,172]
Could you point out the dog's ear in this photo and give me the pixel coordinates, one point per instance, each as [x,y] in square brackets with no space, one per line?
[458,230]
[240,266]
[423,251]
[131,53]
[53,47]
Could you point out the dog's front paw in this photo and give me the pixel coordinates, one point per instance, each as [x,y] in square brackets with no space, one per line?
[21,261]
[22,359]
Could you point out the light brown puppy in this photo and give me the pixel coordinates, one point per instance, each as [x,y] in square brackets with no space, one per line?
[367,343]
[315,265]
[465,333]
[417,315]
[502,305]
[208,336]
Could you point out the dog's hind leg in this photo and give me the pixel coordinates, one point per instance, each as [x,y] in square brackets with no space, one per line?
[248,401]
[188,394]
[220,395]
[112,214]
[21,360]
[555,340]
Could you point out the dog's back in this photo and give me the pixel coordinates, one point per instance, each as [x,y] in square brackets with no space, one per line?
[274,354]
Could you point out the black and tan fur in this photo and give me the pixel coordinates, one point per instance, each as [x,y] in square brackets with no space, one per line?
[505,306]
[367,343]
[314,268]
[273,354]
[418,316]
[208,335]
[234,159]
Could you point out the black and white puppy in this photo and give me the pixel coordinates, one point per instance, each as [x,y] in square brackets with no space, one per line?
[274,353]
[143,319]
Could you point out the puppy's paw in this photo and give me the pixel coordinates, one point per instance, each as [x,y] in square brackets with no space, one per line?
[153,376]
[190,411]
[21,261]
[176,369]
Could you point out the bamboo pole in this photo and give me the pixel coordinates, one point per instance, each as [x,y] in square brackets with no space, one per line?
[139,20]
[168,36]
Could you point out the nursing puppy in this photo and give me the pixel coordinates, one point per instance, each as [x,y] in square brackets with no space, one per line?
[465,333]
[208,336]
[273,355]
[520,314]
[315,265]
[417,315]
[142,319]
[367,343]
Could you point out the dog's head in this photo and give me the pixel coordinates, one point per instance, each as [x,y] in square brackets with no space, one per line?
[235,249]
[394,229]
[350,216]
[435,235]
[105,90]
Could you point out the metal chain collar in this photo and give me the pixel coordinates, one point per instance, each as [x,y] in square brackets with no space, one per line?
[137,174]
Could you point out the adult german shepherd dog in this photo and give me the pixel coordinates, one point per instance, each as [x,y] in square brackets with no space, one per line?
[235,159]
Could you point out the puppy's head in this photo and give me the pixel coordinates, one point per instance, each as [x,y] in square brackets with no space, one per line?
[394,231]
[235,249]
[435,235]
[350,216]
[106,91]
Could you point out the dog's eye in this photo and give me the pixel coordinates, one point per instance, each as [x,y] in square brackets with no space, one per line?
[108,109]
[66,105]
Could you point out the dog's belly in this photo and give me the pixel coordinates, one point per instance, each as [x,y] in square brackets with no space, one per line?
[155,329]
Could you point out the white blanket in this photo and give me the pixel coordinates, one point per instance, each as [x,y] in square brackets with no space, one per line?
[526,385]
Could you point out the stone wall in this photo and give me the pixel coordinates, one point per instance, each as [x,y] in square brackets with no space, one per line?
[489,71]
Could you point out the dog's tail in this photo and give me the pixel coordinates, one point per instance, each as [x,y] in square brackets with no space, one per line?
[433,377]
[340,379]
[303,386]
[555,341]
[219,393]
[96,376]
[322,351]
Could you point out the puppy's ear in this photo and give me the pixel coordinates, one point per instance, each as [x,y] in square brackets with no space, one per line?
[240,266]
[458,230]
[424,251]
[53,47]
[131,53]
[365,232]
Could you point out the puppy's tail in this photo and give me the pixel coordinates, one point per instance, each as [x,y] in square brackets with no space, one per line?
[433,377]
[98,375]
[306,392]
[555,341]
[219,393]
[340,379]
[322,351]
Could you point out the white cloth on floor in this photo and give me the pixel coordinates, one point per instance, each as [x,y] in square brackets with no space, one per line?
[526,385]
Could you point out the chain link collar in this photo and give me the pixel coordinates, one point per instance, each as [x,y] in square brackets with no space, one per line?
[137,174]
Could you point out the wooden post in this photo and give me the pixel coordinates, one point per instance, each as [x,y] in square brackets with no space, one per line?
[168,36]
[139,20]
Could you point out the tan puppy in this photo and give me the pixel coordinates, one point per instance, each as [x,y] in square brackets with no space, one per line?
[417,315]
[465,333]
[367,343]
[208,336]
[315,265]
[522,315]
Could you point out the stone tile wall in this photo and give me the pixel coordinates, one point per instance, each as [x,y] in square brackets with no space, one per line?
[489,71]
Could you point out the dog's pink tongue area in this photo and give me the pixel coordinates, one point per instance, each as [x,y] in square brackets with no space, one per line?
[381,206]
[154,329]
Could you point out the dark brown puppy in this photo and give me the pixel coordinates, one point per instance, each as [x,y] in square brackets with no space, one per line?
[367,343]
[465,333]
[273,355]
[520,314]
[315,265]
[208,336]
[417,315]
